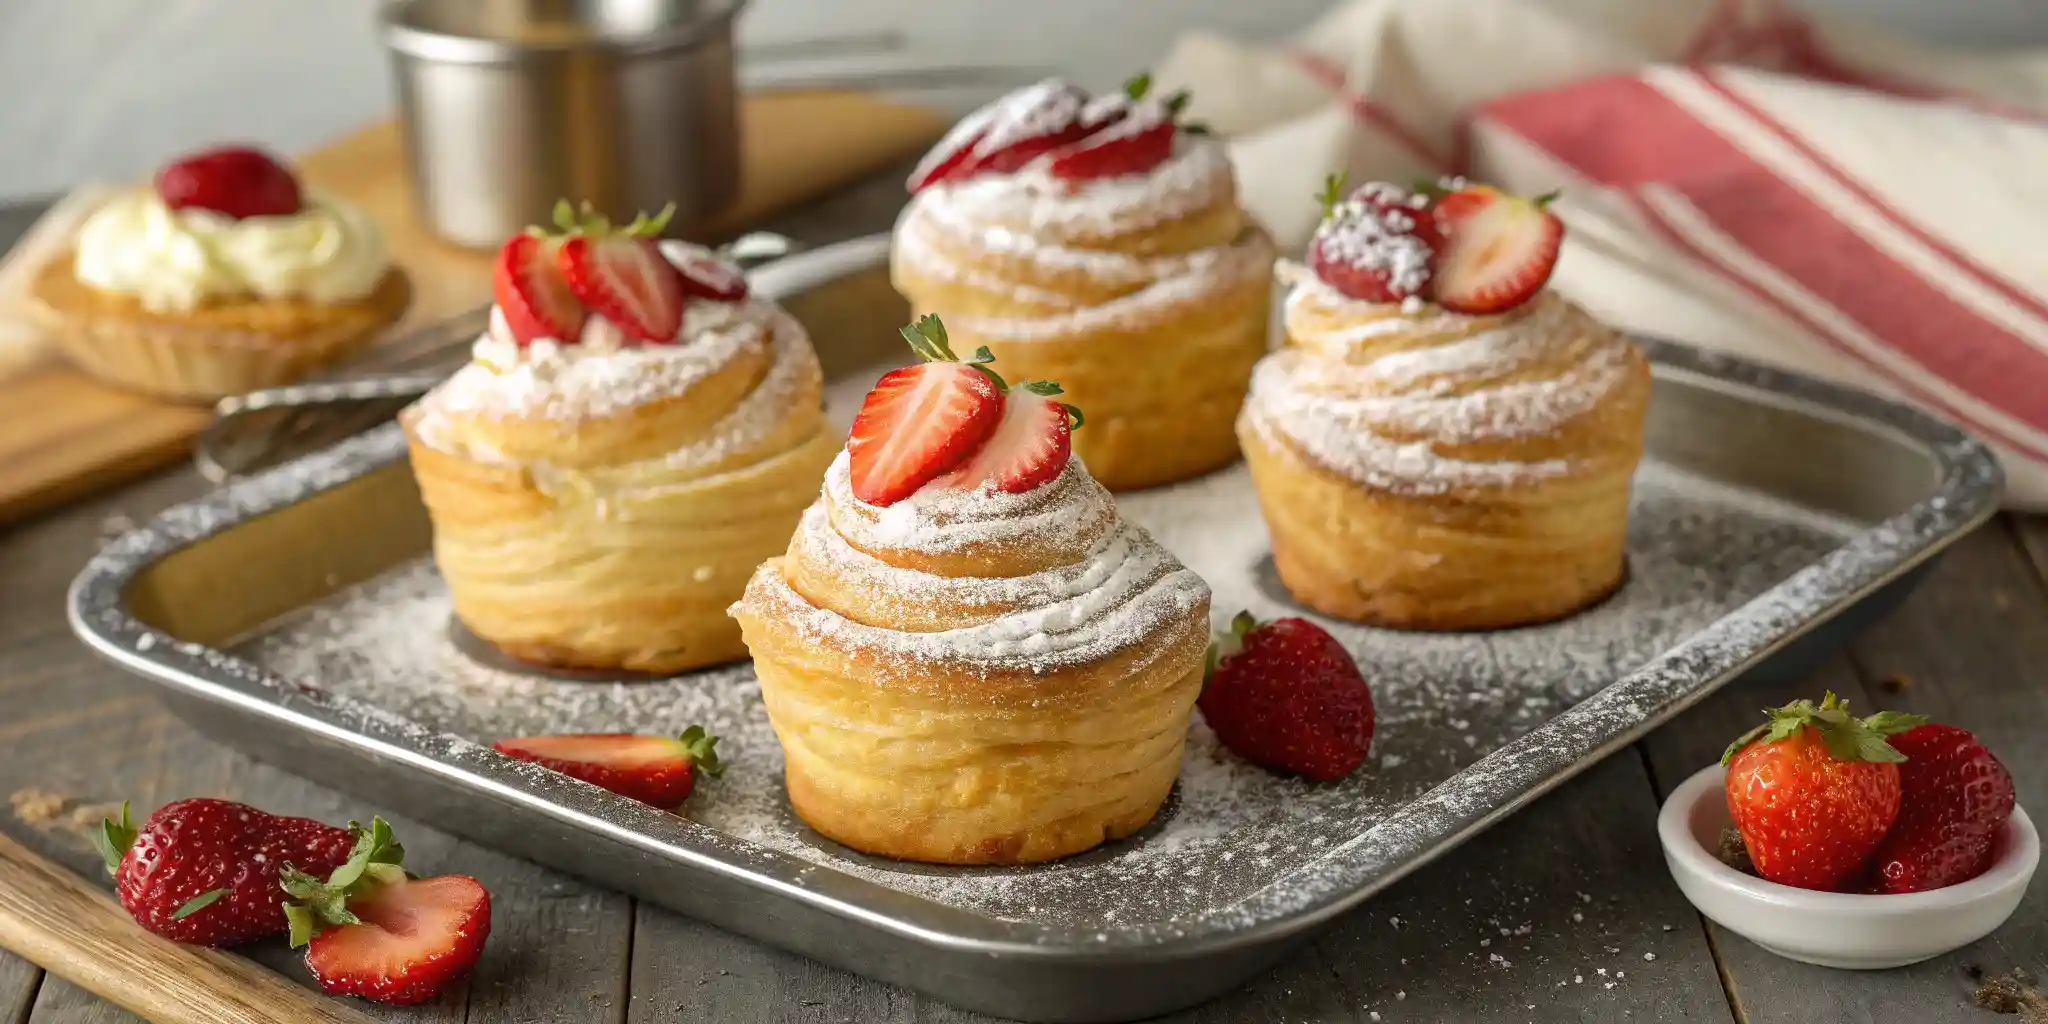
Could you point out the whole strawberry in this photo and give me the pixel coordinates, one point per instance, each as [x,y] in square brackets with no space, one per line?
[373,931]
[1814,791]
[1286,695]
[205,871]
[1956,799]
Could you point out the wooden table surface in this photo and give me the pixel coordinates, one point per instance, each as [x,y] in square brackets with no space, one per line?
[1563,913]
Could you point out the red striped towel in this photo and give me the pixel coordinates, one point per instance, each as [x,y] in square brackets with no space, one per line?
[1736,176]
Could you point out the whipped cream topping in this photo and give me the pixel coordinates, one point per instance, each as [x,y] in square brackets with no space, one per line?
[1123,589]
[1377,391]
[600,373]
[177,260]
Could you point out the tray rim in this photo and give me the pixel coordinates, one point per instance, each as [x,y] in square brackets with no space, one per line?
[1963,496]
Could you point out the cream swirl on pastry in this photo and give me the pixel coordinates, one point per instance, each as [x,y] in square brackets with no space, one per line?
[327,252]
[1418,399]
[1423,466]
[980,666]
[1140,283]
[914,577]
[974,677]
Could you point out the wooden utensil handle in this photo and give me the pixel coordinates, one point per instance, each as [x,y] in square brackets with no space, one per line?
[52,917]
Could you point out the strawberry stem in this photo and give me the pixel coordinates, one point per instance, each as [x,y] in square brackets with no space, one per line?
[1846,738]
[113,839]
[1332,193]
[927,338]
[1229,641]
[316,905]
[700,745]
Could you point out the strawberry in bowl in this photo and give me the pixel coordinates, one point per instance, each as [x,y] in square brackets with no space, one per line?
[1862,858]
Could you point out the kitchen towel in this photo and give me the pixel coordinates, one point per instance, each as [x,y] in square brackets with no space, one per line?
[1737,175]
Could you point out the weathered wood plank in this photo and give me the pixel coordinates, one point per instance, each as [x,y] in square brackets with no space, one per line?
[1971,647]
[61,1002]
[1562,913]
[2032,531]
[19,980]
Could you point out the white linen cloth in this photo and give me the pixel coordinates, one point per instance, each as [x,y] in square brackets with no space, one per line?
[1736,175]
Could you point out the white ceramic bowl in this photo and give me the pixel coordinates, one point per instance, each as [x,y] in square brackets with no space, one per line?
[1836,929]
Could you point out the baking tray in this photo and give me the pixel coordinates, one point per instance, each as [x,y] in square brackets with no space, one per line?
[295,615]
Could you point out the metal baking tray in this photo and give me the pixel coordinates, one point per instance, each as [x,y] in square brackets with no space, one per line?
[296,615]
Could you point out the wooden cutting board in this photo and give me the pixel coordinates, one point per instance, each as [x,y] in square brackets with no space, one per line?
[64,435]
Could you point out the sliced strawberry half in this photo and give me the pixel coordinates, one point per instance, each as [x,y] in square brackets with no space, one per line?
[1030,446]
[532,293]
[920,422]
[410,939]
[1498,249]
[620,274]
[1133,141]
[659,771]
[1006,134]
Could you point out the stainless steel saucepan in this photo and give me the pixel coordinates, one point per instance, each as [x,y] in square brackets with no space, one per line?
[509,105]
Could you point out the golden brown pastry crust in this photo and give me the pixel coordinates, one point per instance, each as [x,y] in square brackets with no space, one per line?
[1432,471]
[1151,321]
[908,732]
[225,347]
[618,541]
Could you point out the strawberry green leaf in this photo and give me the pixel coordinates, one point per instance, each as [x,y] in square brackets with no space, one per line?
[927,337]
[373,862]
[980,360]
[1230,641]
[1332,193]
[565,217]
[1433,189]
[304,925]
[197,904]
[1042,388]
[1547,198]
[112,839]
[1074,416]
[1178,102]
[701,746]
[1846,737]
[1892,723]
[1139,85]
[1197,128]
[644,226]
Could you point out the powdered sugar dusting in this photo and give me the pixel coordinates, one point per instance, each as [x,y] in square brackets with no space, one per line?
[1378,394]
[1697,549]
[1374,233]
[1044,249]
[940,518]
[1120,591]
[597,377]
